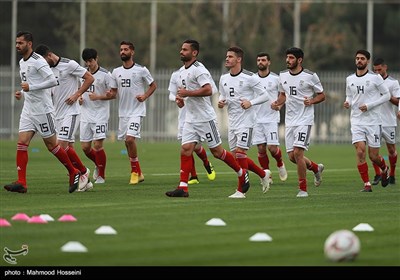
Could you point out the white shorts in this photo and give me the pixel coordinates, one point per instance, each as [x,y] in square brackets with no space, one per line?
[201,132]
[367,133]
[266,133]
[93,131]
[240,137]
[180,129]
[297,136]
[389,134]
[129,126]
[43,124]
[67,127]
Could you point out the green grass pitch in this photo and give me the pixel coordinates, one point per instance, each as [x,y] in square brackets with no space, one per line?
[155,230]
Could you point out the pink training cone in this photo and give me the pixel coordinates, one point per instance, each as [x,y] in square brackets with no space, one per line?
[37,220]
[4,223]
[67,218]
[20,217]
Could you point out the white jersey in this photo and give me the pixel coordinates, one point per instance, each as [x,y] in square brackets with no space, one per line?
[97,111]
[389,110]
[264,113]
[298,87]
[368,89]
[130,83]
[234,89]
[198,109]
[173,83]
[68,73]
[34,71]
[173,89]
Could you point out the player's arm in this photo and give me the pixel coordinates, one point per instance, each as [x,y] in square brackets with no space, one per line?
[175,98]
[261,96]
[107,96]
[395,94]
[222,95]
[277,104]
[18,94]
[88,80]
[384,97]
[349,97]
[315,100]
[172,96]
[205,90]
[112,93]
[49,80]
[148,93]
[398,113]
[394,100]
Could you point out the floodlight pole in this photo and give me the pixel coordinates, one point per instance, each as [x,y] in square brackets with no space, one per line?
[297,22]
[370,28]
[13,62]
[82,43]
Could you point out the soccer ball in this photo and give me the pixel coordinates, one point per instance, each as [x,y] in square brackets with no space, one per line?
[342,245]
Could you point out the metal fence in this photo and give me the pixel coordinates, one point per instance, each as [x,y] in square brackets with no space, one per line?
[332,124]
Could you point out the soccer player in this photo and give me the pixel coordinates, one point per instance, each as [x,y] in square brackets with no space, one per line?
[95,112]
[266,133]
[365,92]
[134,85]
[195,86]
[300,89]
[65,95]
[37,113]
[199,150]
[239,90]
[389,122]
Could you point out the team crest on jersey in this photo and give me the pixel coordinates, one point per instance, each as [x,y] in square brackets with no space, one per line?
[241,83]
[301,82]
[269,84]
[367,83]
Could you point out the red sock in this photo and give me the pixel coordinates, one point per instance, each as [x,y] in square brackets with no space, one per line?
[383,163]
[186,167]
[376,168]
[202,154]
[255,168]
[62,156]
[76,161]
[303,184]
[241,158]
[263,160]
[313,167]
[278,158]
[363,170]
[393,161]
[135,166]
[193,172]
[230,160]
[22,162]
[101,161]
[91,155]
